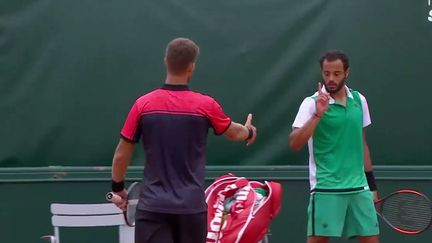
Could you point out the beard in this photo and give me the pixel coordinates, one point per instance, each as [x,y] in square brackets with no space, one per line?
[333,90]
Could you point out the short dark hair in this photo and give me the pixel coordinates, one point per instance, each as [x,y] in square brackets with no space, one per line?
[179,53]
[331,56]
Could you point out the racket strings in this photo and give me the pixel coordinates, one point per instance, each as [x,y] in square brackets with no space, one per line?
[407,211]
[133,197]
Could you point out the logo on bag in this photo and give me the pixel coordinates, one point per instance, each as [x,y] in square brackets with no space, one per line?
[240,210]
[218,224]
[214,234]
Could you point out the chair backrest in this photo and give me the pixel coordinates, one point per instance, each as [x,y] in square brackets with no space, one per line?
[90,215]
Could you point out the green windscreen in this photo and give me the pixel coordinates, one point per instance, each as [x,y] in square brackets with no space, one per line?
[70,70]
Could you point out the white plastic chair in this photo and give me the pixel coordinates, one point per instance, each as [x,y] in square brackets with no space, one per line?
[88,215]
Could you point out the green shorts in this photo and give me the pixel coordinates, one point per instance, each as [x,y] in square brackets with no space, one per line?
[342,214]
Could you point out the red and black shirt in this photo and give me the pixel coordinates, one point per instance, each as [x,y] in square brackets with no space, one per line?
[173,124]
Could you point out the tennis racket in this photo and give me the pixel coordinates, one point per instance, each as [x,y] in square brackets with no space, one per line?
[406,211]
[132,202]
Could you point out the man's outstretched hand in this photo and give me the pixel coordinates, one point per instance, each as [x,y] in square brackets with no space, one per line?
[248,124]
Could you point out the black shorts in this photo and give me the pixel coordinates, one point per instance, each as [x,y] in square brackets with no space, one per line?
[153,227]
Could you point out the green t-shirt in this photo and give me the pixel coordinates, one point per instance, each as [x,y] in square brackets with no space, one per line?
[336,159]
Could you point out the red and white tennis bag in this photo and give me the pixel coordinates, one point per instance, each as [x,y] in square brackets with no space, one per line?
[237,213]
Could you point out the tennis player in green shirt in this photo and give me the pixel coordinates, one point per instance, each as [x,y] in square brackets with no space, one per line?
[331,122]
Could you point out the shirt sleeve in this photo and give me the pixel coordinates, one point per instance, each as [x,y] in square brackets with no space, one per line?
[218,119]
[305,112]
[130,130]
[365,108]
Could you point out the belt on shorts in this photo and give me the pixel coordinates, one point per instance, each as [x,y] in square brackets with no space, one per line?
[353,189]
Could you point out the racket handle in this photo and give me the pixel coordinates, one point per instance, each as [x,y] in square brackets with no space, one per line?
[112,197]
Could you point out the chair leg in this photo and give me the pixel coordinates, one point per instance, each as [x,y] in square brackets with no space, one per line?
[126,234]
[57,234]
